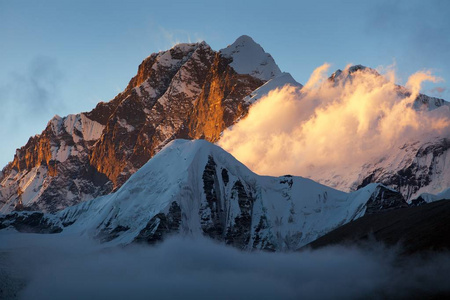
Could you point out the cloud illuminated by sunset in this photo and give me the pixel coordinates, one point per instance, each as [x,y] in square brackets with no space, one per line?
[332,125]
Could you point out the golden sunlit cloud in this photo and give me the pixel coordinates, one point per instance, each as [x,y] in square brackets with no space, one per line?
[415,81]
[329,124]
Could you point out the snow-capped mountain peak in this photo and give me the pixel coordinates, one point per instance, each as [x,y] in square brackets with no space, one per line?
[195,188]
[250,58]
[348,73]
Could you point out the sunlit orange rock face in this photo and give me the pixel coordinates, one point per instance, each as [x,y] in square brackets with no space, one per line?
[37,153]
[189,91]
[219,104]
[52,170]
[198,100]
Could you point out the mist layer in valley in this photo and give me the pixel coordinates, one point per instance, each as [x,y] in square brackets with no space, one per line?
[66,267]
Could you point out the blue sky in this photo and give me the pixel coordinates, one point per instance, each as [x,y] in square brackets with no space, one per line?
[61,57]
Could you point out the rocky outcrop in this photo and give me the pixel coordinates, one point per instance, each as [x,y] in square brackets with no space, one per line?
[220,101]
[216,221]
[52,170]
[419,168]
[203,97]
[410,230]
[35,222]
[384,199]
[161,226]
[239,233]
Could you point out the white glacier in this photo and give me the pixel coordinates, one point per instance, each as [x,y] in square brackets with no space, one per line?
[277,82]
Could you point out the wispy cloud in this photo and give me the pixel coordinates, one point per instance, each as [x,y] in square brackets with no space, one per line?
[166,38]
[36,88]
[32,95]
[438,90]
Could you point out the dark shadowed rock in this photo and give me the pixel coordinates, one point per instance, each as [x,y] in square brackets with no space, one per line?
[161,225]
[416,229]
[34,222]
[384,199]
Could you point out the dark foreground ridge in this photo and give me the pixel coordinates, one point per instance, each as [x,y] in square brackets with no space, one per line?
[416,229]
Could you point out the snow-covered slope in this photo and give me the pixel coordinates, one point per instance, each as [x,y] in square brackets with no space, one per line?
[414,168]
[250,58]
[196,188]
[277,82]
[428,198]
[417,167]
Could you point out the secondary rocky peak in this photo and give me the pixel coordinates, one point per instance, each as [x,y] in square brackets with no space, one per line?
[164,61]
[421,102]
[248,57]
[350,71]
[355,68]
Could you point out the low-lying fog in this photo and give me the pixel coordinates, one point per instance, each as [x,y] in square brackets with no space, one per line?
[36,266]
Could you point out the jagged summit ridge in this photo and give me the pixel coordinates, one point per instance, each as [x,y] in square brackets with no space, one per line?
[422,101]
[348,73]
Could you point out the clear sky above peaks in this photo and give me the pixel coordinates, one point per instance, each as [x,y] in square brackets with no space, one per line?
[61,57]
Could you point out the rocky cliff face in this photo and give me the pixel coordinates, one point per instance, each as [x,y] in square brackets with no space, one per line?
[52,170]
[189,91]
[415,169]
[196,95]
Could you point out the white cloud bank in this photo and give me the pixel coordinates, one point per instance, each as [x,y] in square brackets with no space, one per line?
[332,125]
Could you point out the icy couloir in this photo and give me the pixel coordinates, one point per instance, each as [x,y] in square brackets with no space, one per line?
[195,188]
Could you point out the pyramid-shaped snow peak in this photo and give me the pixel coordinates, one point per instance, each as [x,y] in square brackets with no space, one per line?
[195,188]
[250,58]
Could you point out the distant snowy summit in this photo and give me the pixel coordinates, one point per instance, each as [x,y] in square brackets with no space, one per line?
[250,58]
